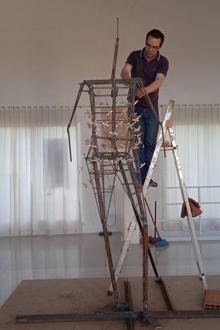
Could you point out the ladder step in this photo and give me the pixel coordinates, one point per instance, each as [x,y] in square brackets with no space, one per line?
[168,147]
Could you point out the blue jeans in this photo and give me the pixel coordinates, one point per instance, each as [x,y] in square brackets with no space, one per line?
[149,129]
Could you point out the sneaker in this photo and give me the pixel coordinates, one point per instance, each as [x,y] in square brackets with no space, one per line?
[153,183]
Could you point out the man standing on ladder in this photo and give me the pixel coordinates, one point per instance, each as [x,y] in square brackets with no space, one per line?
[149,65]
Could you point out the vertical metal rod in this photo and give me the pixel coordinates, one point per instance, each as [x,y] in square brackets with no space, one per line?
[145,268]
[72,115]
[113,138]
[93,115]
[143,218]
[155,219]
[105,231]
[128,298]
[156,232]
[115,52]
[145,235]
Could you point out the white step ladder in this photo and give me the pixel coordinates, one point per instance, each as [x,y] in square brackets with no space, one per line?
[173,147]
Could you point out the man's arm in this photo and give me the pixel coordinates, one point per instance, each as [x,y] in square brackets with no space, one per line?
[156,84]
[126,71]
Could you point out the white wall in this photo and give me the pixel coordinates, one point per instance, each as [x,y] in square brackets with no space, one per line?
[48,46]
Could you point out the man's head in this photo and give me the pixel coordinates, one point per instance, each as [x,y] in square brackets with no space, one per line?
[154,41]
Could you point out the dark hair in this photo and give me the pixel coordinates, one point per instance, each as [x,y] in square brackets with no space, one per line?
[156,34]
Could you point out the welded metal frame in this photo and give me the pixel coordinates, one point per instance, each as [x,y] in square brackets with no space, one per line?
[117,161]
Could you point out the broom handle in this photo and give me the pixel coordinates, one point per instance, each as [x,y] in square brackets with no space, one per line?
[152,218]
[155,218]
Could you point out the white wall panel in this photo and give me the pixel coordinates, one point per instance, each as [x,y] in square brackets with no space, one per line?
[49,46]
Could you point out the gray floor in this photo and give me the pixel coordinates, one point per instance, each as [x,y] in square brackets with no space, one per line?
[84,256]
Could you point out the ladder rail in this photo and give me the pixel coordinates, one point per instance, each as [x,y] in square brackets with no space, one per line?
[156,153]
[132,225]
[184,193]
[190,220]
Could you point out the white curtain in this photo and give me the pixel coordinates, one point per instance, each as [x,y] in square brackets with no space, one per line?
[38,184]
[40,192]
[197,133]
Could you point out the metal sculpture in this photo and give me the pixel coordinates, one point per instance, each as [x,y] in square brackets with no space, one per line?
[115,138]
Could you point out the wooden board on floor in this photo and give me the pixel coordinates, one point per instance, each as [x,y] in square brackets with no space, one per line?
[89,295]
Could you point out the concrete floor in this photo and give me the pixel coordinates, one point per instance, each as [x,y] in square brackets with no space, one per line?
[81,256]
[70,296]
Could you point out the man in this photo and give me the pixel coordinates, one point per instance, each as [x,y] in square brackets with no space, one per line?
[149,65]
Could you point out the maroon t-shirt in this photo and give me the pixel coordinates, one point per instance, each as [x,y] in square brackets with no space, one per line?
[147,71]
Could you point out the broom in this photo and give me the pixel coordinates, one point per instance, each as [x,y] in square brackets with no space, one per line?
[156,240]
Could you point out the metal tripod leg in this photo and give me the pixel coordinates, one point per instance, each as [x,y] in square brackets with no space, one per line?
[142,219]
[105,231]
[143,216]
[72,115]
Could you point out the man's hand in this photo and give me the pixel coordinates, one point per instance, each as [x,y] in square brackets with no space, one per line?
[141,92]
